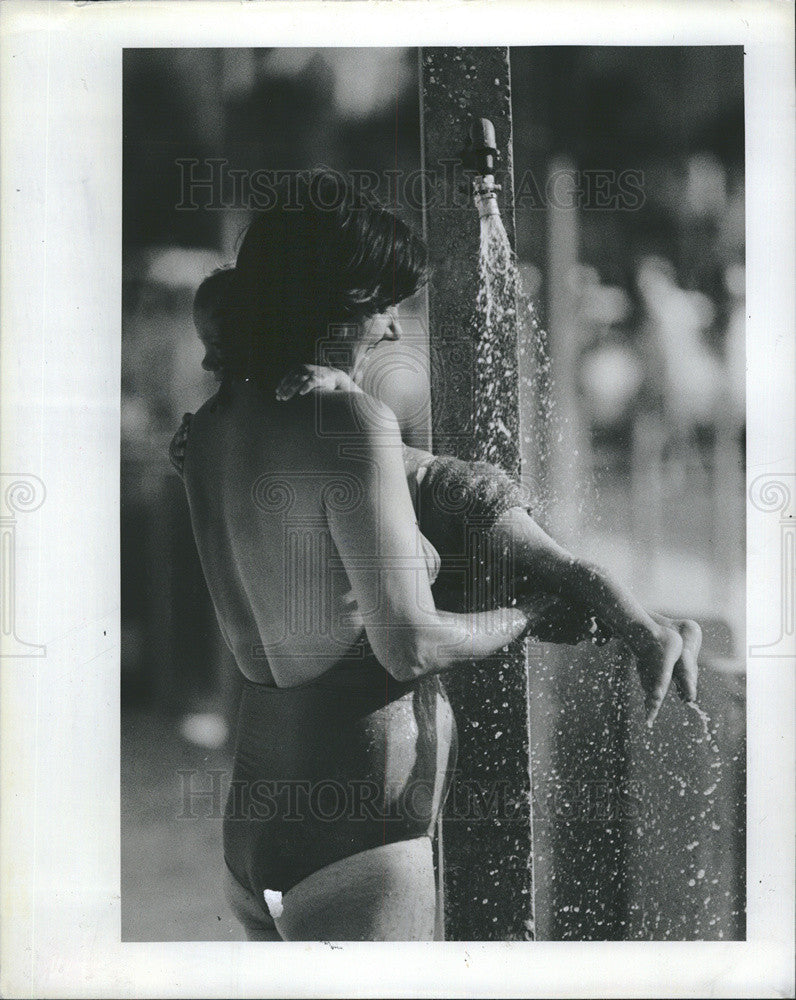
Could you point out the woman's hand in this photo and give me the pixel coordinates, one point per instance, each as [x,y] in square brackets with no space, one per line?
[303,379]
[686,669]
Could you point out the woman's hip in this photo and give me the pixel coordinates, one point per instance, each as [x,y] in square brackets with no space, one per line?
[386,893]
[338,757]
[306,796]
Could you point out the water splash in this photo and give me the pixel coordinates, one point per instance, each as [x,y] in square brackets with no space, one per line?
[506,323]
[683,827]
[496,421]
[708,730]
[497,275]
[681,821]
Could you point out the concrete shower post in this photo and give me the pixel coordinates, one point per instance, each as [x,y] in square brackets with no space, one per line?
[488,823]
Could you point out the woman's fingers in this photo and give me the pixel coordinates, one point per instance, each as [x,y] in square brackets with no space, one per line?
[304,379]
[298,380]
[686,670]
[656,671]
[286,388]
[289,386]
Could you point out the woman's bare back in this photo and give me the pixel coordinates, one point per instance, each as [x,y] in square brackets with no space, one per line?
[257,475]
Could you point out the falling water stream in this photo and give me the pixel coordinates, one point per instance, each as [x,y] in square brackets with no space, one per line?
[496,319]
[689,813]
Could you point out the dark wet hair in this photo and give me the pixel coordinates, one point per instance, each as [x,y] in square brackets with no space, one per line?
[318,261]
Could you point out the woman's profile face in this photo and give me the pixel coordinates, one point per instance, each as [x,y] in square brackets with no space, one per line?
[374,330]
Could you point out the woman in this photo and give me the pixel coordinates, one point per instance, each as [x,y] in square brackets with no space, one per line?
[472,513]
[345,736]
[474,507]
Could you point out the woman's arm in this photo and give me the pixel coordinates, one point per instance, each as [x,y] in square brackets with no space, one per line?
[551,567]
[554,569]
[379,545]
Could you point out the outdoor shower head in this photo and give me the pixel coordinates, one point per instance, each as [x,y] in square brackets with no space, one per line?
[481,152]
[480,155]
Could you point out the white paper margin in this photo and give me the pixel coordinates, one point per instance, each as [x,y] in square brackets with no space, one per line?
[60,273]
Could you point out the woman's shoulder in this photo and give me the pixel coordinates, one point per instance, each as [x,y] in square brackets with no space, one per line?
[329,418]
[355,413]
[179,442]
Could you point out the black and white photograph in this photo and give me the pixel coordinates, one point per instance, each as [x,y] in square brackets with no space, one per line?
[413,618]
[430,575]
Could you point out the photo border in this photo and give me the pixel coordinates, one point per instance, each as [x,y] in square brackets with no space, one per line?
[60,271]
